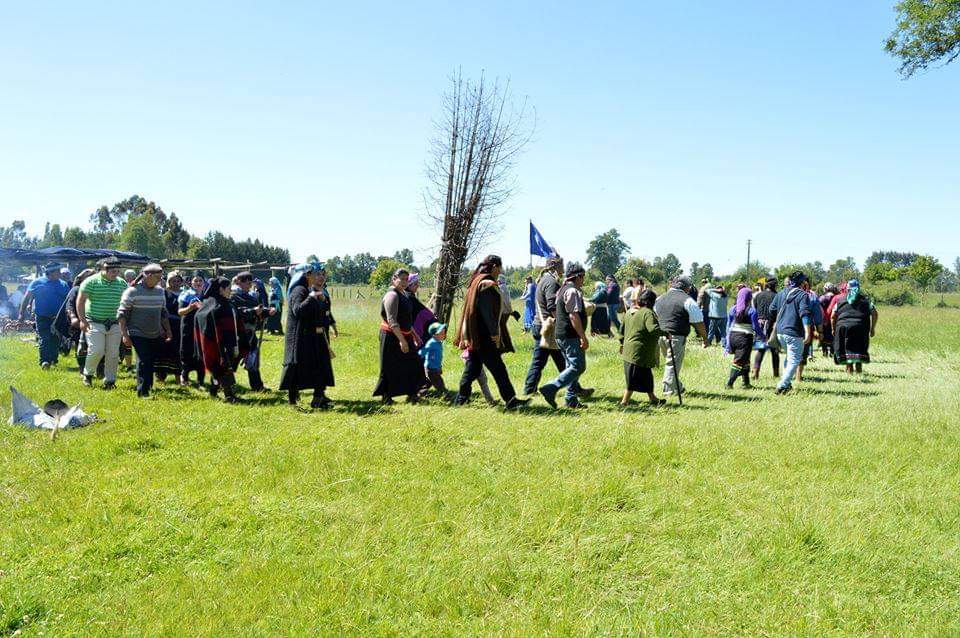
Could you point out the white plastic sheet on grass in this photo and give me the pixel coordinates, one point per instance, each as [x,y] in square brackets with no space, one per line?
[26,412]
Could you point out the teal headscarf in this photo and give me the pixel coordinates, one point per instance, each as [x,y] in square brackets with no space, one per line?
[298,274]
[853,290]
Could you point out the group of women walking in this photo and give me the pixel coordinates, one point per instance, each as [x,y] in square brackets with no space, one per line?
[217,325]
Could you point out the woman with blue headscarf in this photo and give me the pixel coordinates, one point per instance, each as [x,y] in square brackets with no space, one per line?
[854,321]
[307,359]
[275,299]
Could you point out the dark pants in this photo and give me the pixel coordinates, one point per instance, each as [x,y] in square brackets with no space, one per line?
[435,381]
[49,342]
[774,359]
[539,361]
[252,362]
[146,349]
[492,360]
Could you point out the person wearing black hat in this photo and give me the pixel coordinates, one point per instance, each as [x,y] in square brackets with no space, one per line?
[47,295]
[545,313]
[571,337]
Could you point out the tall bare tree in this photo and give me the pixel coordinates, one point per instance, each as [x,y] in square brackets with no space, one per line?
[469,173]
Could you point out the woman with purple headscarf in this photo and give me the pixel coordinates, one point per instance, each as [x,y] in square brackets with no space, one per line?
[743,326]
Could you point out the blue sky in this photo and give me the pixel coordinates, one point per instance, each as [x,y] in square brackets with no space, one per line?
[689,126]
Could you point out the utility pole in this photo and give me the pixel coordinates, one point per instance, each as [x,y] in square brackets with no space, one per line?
[749,278]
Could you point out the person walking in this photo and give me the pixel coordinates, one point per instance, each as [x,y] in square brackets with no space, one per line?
[571,337]
[600,320]
[717,315]
[275,298]
[401,372]
[529,298]
[67,323]
[743,328]
[307,360]
[143,323]
[794,325]
[854,323]
[544,321]
[219,338]
[677,312]
[188,302]
[168,361]
[613,301]
[639,335]
[47,295]
[764,343]
[479,333]
[252,315]
[97,306]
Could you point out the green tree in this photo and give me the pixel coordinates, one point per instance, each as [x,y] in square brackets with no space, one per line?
[52,236]
[880,272]
[383,273]
[141,235]
[956,267]
[15,236]
[404,256]
[925,270]
[927,34]
[176,239]
[606,252]
[842,270]
[670,266]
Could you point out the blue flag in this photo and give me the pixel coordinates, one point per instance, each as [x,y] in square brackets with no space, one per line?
[539,245]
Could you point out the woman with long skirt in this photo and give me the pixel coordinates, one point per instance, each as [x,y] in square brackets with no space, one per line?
[307,362]
[274,323]
[219,336]
[168,355]
[854,320]
[600,320]
[400,370]
[188,302]
[639,346]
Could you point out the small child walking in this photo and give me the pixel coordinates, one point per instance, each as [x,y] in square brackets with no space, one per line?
[432,355]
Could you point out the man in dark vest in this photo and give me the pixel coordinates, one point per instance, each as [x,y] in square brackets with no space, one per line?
[676,311]
[546,306]
[571,337]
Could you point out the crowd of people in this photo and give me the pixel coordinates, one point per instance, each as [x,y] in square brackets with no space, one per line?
[211,327]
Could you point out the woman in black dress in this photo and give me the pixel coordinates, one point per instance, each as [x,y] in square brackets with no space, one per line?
[600,319]
[306,348]
[401,372]
[854,322]
[188,302]
[168,356]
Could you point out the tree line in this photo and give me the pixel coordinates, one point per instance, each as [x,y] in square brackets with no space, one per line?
[141,226]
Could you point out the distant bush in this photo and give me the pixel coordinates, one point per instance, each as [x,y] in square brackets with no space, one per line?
[894,293]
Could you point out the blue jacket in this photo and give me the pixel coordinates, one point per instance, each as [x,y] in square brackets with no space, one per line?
[793,306]
[432,354]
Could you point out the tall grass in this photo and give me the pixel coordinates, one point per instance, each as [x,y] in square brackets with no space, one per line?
[832,511]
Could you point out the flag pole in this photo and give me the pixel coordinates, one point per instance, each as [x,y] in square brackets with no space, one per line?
[530,256]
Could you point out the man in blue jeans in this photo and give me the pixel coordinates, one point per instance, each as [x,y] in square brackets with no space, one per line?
[571,337]
[47,294]
[794,325]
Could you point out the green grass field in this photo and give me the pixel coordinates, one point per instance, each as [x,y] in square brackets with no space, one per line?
[832,511]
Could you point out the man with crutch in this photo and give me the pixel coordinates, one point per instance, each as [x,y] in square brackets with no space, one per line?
[677,311]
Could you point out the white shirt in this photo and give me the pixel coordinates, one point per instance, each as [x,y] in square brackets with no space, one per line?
[628,296]
[696,314]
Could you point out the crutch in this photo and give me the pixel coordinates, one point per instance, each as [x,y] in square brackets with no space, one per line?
[676,370]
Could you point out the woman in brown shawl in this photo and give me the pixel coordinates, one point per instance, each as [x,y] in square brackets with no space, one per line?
[479,334]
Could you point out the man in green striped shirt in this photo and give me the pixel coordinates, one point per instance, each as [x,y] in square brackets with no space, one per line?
[97,306]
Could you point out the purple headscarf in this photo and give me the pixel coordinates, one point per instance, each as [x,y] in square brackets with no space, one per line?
[744,297]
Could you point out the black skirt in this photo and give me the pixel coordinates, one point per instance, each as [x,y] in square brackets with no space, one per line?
[400,374]
[851,344]
[638,379]
[741,344]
